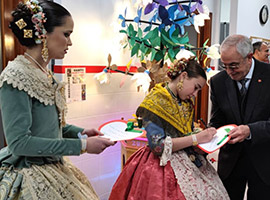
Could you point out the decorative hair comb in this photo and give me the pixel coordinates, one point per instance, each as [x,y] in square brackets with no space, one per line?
[27,33]
[38,19]
[178,67]
[21,23]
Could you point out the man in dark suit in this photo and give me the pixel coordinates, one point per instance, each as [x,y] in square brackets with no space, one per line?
[261,51]
[241,95]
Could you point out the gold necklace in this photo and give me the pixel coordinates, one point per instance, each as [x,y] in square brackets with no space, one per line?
[45,70]
[176,98]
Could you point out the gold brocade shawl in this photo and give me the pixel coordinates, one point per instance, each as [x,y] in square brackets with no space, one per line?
[160,102]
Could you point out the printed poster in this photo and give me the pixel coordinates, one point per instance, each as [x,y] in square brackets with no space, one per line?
[76,87]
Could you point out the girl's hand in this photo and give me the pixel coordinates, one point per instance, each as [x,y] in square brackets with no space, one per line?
[206,135]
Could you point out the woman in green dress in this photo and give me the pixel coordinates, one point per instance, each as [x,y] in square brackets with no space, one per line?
[33,112]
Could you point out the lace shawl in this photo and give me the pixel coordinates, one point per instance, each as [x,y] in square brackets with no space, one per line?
[22,75]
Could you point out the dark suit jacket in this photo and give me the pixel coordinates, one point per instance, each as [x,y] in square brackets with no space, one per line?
[225,110]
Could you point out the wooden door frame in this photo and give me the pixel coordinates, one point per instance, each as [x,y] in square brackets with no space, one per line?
[201,103]
[10,46]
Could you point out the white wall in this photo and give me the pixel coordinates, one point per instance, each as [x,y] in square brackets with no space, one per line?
[225,11]
[96,32]
[246,14]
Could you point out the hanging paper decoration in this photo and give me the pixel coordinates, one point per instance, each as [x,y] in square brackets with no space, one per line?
[157,34]
[142,80]
[127,70]
[163,35]
[183,53]
[213,51]
[102,77]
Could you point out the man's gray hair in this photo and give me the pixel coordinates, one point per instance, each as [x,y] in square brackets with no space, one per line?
[242,43]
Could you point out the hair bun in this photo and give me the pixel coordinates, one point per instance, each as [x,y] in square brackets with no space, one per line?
[177,68]
[22,12]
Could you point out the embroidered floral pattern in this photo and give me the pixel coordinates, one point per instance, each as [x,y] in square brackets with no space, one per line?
[205,181]
[156,142]
[47,182]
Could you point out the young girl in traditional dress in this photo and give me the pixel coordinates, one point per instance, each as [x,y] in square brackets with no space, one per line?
[170,168]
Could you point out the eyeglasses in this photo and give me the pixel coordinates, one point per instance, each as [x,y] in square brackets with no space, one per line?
[233,65]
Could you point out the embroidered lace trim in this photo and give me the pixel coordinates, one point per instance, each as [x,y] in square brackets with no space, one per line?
[22,75]
[197,183]
[167,152]
[194,182]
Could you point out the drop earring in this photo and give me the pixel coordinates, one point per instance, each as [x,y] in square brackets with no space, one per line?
[180,85]
[45,51]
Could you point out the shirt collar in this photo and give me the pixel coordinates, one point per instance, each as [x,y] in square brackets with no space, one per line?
[249,75]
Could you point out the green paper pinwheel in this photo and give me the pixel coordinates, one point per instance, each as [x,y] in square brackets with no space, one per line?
[163,35]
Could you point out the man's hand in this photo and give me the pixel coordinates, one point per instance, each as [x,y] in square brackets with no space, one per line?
[239,134]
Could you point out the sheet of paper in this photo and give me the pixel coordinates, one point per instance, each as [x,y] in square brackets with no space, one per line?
[218,140]
[115,131]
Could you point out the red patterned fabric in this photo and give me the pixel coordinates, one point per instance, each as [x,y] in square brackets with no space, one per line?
[144,178]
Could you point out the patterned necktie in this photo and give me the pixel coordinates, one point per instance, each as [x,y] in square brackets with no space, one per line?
[243,89]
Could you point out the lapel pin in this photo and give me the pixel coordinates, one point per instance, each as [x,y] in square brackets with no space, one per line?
[259,80]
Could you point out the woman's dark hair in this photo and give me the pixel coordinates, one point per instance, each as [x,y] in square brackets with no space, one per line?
[54,13]
[191,66]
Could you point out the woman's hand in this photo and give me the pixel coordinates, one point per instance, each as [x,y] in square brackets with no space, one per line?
[91,132]
[96,144]
[206,135]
